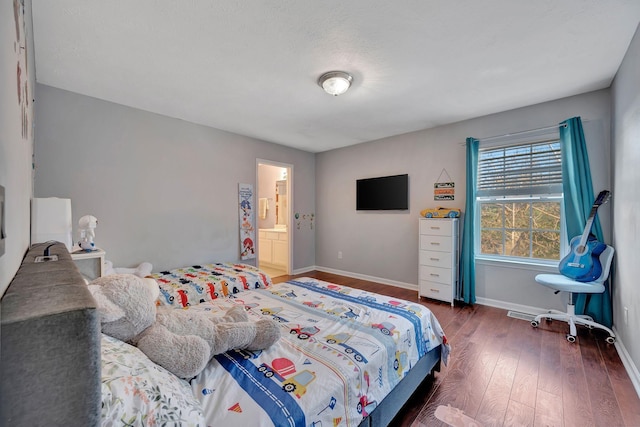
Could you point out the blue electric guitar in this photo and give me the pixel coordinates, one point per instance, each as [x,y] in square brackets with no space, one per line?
[583,262]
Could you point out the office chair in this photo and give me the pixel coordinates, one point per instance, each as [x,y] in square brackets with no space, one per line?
[561,283]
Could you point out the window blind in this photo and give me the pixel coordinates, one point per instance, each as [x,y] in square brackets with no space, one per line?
[533,168]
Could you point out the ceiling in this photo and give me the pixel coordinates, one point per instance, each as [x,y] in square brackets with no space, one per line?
[251,66]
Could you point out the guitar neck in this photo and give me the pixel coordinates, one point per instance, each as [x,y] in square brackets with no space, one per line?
[587,227]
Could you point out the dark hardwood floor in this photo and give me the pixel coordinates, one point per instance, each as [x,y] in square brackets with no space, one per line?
[503,372]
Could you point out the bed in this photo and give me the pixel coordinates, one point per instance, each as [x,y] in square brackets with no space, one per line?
[347,357]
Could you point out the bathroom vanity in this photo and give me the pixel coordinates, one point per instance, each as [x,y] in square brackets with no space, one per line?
[273,246]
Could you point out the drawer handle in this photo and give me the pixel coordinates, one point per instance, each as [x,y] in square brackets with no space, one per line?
[435,228]
[434,259]
[434,274]
[435,243]
[434,290]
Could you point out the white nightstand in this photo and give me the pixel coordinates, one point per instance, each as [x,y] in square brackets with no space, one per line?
[90,264]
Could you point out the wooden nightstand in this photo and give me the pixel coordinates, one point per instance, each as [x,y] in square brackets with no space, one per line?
[90,264]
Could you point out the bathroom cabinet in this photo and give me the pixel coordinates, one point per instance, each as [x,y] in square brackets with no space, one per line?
[273,247]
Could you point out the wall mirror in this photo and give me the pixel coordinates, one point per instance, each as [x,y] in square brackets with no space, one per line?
[281,203]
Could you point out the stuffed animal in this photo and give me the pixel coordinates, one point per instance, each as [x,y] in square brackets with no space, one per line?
[142,270]
[181,341]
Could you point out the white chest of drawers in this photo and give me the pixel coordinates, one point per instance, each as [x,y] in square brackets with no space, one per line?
[438,258]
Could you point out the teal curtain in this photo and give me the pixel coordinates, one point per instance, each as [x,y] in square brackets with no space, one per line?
[467,256]
[578,201]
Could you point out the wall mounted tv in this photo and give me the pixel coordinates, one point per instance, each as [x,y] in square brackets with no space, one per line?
[383,193]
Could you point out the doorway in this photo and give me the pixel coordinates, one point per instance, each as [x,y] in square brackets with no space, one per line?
[275,205]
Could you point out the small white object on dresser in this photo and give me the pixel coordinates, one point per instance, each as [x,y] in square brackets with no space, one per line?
[90,264]
[438,258]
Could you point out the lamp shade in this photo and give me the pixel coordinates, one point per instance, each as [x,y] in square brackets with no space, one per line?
[335,82]
[51,220]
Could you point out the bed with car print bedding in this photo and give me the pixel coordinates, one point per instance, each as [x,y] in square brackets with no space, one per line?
[342,350]
[347,357]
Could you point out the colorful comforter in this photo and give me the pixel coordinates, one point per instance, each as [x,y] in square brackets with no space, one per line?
[343,350]
[183,287]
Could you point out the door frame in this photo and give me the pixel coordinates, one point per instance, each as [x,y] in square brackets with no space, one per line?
[289,168]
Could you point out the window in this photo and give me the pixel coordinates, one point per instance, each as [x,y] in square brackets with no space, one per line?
[519,201]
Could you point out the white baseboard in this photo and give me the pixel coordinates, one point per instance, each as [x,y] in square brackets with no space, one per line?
[630,367]
[382,280]
[510,306]
[304,270]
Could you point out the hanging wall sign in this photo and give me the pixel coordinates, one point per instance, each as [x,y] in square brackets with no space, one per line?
[247,231]
[444,190]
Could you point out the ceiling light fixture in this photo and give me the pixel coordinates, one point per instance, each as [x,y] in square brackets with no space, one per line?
[335,82]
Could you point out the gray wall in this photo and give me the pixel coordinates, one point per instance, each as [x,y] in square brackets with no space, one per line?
[163,190]
[626,199]
[384,245]
[15,149]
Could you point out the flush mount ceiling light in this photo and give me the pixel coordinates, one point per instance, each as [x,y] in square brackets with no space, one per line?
[335,82]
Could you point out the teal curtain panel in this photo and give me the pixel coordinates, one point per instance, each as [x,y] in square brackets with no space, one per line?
[467,256]
[578,201]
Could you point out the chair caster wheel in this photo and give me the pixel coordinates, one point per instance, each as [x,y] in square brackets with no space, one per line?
[611,340]
[548,319]
[589,326]
[534,323]
[571,338]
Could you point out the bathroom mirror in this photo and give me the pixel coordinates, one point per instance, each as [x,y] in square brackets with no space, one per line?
[281,203]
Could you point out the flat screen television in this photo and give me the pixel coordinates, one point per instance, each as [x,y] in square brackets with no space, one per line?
[383,193]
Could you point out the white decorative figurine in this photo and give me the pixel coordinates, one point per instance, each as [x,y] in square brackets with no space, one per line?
[87,225]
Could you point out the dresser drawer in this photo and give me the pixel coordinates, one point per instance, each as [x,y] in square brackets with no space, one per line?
[435,259]
[435,243]
[437,227]
[435,274]
[437,291]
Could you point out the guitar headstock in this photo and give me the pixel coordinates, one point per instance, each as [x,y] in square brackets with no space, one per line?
[602,198]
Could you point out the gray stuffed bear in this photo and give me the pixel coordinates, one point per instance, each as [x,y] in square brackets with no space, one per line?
[181,341]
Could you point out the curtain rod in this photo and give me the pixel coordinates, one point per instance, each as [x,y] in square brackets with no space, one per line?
[522,132]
